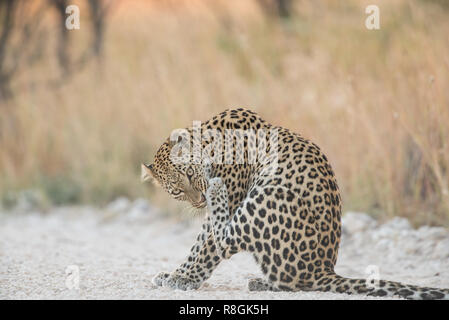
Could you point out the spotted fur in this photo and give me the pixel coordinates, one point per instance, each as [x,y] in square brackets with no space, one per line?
[290,220]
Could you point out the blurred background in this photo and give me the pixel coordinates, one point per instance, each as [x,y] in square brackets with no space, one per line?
[81,109]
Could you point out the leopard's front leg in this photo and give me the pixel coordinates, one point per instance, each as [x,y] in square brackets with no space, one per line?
[220,218]
[198,267]
[211,245]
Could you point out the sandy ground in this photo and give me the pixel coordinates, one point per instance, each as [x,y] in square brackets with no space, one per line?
[116,251]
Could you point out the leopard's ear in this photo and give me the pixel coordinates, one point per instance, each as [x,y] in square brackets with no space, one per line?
[146,172]
[175,141]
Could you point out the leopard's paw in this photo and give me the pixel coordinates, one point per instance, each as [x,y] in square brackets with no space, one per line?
[216,186]
[159,279]
[259,284]
[180,282]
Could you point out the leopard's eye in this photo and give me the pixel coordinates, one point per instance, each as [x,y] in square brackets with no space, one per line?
[176,192]
[189,172]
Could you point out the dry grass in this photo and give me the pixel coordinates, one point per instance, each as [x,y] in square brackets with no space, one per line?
[377,102]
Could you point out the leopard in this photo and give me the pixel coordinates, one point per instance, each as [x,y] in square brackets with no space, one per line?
[288,217]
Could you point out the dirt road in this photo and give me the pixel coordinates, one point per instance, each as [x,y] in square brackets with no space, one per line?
[87,253]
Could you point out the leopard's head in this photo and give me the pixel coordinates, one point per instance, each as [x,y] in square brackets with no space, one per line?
[184,182]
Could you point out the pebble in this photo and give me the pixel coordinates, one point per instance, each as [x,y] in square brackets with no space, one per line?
[119,205]
[353,222]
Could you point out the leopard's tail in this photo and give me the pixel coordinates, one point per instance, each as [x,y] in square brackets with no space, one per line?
[332,282]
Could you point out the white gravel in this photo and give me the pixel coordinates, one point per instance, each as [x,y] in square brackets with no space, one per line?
[116,251]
